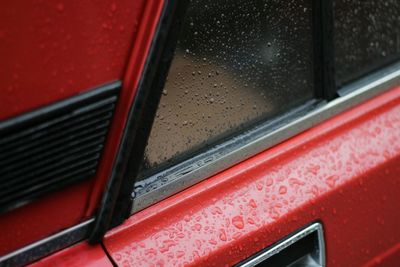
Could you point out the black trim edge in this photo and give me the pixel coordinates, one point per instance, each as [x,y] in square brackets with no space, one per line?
[47,245]
[61,106]
[54,146]
[324,54]
[128,161]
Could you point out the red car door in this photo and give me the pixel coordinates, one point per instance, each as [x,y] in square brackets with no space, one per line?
[200,133]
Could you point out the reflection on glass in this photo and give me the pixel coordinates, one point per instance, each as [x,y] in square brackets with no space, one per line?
[236,63]
[367,36]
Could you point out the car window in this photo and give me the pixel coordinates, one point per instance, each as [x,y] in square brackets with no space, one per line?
[236,63]
[367,36]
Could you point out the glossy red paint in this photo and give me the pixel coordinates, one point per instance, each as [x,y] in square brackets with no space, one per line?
[53,50]
[44,217]
[131,78]
[78,255]
[389,258]
[343,172]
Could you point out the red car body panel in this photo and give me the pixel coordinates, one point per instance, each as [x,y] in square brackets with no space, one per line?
[54,50]
[71,36]
[78,255]
[44,217]
[388,258]
[344,173]
[131,78]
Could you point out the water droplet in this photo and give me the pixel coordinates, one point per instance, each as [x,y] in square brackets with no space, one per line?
[197,227]
[180,254]
[222,235]
[252,203]
[282,190]
[213,242]
[269,181]
[237,221]
[331,180]
[259,186]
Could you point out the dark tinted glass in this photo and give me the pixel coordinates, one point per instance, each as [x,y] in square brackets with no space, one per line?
[236,63]
[367,36]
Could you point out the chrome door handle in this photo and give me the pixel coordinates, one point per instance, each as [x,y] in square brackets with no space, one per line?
[305,248]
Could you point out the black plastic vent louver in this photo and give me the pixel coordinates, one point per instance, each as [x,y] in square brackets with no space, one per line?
[54,146]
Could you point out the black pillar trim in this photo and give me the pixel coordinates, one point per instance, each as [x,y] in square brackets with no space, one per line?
[116,203]
[324,52]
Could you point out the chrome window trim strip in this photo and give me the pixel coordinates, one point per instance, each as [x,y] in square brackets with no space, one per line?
[200,167]
[275,249]
[47,245]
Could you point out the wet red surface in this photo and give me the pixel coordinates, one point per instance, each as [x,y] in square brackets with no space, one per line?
[53,50]
[44,217]
[344,173]
[76,256]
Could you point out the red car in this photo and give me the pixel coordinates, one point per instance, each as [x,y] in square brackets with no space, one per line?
[200,133]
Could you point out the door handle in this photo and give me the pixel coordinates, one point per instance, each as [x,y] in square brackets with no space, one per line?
[305,248]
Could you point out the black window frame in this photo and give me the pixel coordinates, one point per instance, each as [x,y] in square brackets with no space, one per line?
[119,195]
[325,88]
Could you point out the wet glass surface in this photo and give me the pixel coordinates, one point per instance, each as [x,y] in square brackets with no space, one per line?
[236,63]
[367,36]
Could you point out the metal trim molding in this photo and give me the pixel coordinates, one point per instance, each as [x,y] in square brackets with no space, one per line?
[47,245]
[179,177]
[275,249]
